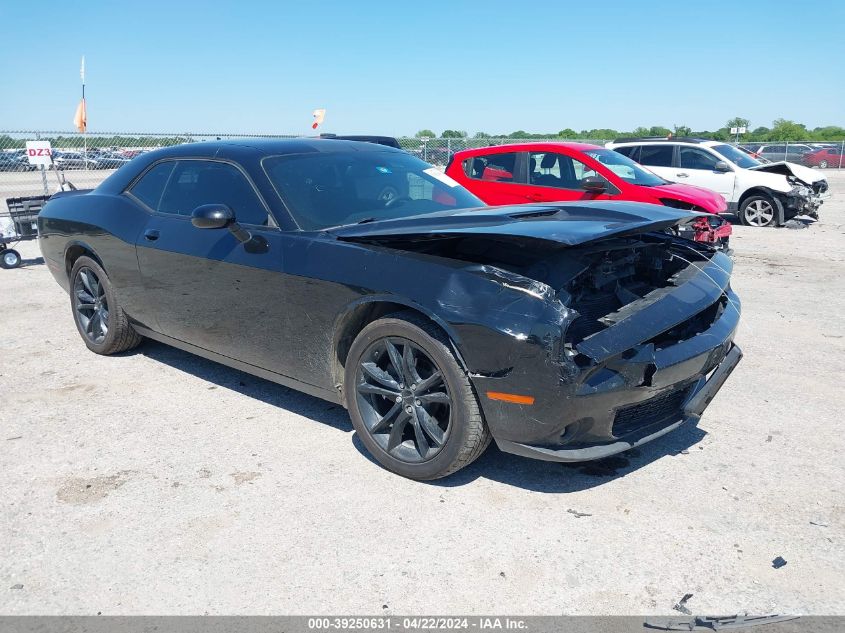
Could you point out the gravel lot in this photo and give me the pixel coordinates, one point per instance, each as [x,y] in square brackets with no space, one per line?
[157,482]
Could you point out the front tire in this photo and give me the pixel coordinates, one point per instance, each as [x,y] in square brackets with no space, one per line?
[410,402]
[758,210]
[100,320]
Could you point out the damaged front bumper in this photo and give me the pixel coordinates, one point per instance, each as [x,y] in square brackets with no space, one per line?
[629,383]
[700,395]
[803,200]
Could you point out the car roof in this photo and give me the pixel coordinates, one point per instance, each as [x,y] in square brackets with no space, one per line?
[663,139]
[524,147]
[267,146]
[706,142]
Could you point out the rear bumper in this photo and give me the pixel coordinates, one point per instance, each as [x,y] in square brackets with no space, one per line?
[700,396]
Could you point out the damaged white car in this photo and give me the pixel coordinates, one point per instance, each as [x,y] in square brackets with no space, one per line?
[761,194]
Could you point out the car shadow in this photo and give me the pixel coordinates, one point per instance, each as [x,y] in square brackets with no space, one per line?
[520,472]
[555,477]
[271,393]
[733,218]
[26,263]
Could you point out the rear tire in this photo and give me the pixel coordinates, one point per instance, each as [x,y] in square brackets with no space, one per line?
[823,164]
[758,210]
[410,402]
[100,320]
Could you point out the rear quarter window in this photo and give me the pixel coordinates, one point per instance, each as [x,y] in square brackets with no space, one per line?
[150,187]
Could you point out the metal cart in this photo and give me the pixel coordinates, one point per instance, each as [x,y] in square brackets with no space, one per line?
[24,215]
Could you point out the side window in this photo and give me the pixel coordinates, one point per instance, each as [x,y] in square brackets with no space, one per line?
[197,182]
[657,155]
[694,158]
[493,167]
[151,185]
[632,152]
[547,169]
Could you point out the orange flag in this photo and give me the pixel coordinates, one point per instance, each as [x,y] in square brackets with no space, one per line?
[80,119]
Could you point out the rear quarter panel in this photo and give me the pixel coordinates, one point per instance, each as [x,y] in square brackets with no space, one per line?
[106,226]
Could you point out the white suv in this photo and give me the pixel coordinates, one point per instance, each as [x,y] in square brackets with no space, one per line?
[760,194]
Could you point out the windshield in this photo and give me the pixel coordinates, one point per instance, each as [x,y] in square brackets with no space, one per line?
[625,168]
[737,156]
[327,189]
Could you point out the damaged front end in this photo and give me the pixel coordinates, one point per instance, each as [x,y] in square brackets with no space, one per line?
[645,340]
[605,329]
[807,189]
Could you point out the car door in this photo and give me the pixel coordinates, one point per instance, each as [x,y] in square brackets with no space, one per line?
[697,166]
[207,287]
[497,177]
[659,158]
[556,176]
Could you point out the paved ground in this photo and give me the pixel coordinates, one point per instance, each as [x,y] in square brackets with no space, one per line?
[159,483]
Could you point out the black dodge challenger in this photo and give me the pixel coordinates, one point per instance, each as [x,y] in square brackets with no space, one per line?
[362,275]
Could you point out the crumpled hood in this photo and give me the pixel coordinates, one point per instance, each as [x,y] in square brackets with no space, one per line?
[804,174]
[569,224]
[708,200]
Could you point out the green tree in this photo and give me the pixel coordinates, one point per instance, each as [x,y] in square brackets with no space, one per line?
[600,134]
[425,132]
[568,133]
[481,135]
[737,121]
[681,130]
[786,130]
[829,133]
[659,130]
[453,134]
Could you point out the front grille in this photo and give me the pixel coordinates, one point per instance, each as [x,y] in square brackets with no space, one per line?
[591,309]
[634,417]
[693,326]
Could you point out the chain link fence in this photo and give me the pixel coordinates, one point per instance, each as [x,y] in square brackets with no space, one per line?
[86,160]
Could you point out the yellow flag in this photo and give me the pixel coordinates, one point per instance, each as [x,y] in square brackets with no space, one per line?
[80,119]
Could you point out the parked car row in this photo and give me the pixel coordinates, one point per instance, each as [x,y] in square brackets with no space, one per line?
[16,160]
[821,155]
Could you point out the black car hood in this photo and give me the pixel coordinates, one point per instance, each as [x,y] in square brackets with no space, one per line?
[568,224]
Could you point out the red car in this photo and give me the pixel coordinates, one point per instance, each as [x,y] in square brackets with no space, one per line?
[555,172]
[825,157]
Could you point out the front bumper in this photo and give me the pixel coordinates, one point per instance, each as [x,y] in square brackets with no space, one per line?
[658,365]
[700,396]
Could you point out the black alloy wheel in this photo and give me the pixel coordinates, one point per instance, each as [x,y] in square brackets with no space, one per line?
[410,400]
[90,305]
[101,321]
[403,400]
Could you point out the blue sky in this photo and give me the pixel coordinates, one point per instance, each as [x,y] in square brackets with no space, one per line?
[395,67]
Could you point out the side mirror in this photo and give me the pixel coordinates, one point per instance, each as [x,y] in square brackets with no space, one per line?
[212,216]
[721,166]
[594,184]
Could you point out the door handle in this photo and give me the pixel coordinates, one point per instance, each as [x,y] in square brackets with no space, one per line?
[536,197]
[151,235]
[682,175]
